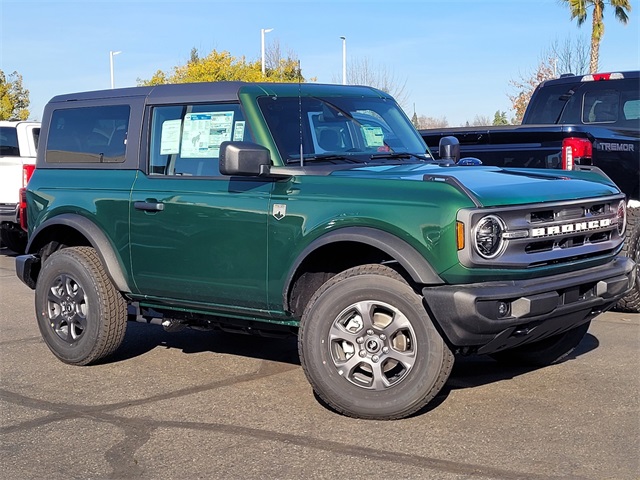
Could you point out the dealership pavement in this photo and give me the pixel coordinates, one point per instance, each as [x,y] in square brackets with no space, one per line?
[207,405]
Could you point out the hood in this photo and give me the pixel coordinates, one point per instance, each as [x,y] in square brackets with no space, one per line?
[495,186]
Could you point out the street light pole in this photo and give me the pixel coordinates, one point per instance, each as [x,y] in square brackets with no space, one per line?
[344,60]
[262,32]
[111,55]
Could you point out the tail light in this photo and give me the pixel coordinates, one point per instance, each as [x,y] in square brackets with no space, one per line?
[596,77]
[23,208]
[27,171]
[576,151]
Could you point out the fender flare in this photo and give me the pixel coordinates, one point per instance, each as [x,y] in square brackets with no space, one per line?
[407,256]
[96,238]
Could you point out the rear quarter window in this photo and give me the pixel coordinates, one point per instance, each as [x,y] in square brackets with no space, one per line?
[88,135]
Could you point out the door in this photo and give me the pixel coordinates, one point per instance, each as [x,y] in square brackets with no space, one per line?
[197,237]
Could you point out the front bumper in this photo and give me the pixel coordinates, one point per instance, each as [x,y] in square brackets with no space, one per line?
[493,316]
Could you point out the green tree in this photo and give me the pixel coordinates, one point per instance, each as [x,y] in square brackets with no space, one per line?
[14,98]
[500,118]
[579,11]
[222,66]
[414,119]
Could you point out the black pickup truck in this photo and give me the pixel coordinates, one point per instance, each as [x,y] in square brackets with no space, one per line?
[572,122]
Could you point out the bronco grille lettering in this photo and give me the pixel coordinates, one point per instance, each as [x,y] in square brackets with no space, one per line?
[570,228]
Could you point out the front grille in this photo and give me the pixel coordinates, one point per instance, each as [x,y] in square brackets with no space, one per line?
[548,234]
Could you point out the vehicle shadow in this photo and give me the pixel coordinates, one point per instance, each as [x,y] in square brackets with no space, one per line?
[477,370]
[468,371]
[142,338]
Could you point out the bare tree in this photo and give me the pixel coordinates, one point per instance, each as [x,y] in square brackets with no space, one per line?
[569,56]
[481,121]
[361,71]
[432,122]
[526,84]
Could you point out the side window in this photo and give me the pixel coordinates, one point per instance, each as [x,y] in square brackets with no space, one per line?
[9,142]
[631,110]
[36,136]
[601,106]
[185,139]
[88,135]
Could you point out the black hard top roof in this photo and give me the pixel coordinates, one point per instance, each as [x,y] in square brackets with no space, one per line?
[214,91]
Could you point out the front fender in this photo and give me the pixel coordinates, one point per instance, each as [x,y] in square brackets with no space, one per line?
[408,257]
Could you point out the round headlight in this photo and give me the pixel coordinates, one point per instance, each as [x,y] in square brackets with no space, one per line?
[621,217]
[488,236]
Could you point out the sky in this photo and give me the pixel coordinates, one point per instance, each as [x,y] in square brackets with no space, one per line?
[455,58]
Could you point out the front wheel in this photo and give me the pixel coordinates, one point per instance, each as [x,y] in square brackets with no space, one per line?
[544,352]
[81,315]
[631,301]
[369,348]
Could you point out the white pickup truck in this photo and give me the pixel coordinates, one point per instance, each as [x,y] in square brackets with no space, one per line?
[18,144]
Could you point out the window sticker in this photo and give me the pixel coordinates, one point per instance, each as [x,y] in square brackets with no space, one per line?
[238,131]
[204,132]
[373,136]
[170,137]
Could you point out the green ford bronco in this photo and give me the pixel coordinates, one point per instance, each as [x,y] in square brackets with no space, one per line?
[314,210]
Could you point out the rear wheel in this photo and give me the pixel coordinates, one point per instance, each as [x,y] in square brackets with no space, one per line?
[545,352]
[631,302]
[368,347]
[81,315]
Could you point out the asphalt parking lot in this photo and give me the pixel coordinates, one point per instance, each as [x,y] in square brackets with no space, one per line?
[209,405]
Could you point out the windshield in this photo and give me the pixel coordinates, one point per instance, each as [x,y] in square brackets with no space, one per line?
[341,129]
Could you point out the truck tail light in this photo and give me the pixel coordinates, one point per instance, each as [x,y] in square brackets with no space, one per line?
[27,171]
[23,208]
[576,151]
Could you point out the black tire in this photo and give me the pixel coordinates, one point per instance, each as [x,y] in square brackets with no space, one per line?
[544,352]
[369,348]
[81,315]
[14,239]
[631,301]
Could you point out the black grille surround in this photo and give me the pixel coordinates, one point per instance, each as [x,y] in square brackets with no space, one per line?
[547,234]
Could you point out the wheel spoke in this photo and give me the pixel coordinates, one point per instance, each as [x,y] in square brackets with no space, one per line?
[346,368]
[406,359]
[379,380]
[398,322]
[337,332]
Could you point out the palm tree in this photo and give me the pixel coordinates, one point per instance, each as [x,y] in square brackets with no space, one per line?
[579,10]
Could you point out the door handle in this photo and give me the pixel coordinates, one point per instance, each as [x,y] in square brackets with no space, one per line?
[148,206]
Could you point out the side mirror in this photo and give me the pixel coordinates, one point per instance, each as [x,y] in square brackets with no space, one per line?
[449,149]
[244,158]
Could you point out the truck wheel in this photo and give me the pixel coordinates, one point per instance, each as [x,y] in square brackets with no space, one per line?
[81,315]
[369,348]
[631,302]
[14,239]
[544,352]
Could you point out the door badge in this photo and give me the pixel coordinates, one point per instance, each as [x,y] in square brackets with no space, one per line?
[279,211]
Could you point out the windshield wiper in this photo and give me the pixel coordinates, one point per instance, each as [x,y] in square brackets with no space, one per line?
[329,157]
[394,155]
